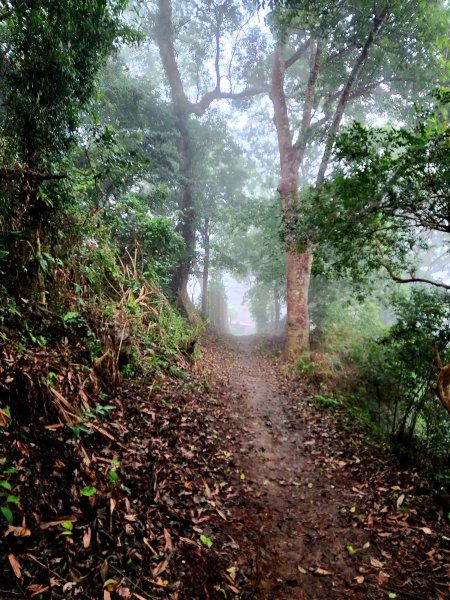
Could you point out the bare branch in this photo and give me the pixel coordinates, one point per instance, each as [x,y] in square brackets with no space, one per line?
[297,54]
[199,108]
[398,279]
[337,56]
[315,56]
[346,92]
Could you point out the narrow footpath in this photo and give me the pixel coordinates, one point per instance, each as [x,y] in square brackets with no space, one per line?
[323,513]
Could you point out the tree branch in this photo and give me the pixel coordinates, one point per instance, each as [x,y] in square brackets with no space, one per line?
[316,52]
[16,174]
[354,76]
[165,42]
[337,56]
[398,279]
[297,54]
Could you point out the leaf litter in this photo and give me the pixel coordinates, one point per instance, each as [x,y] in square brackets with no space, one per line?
[194,512]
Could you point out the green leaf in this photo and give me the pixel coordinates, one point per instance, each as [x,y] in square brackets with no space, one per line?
[70,316]
[206,541]
[350,550]
[67,525]
[13,499]
[7,513]
[88,491]
[5,484]
[113,477]
[392,595]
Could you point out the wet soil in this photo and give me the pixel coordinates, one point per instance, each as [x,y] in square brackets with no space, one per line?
[236,479]
[324,513]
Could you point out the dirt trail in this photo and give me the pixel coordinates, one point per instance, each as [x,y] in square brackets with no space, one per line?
[306,520]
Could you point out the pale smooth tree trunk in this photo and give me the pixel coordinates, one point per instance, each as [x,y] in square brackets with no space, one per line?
[298,262]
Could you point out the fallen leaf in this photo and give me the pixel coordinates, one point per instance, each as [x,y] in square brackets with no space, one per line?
[87,538]
[320,571]
[15,565]
[400,500]
[426,530]
[168,540]
[161,568]
[37,589]
[376,563]
[17,531]
[359,579]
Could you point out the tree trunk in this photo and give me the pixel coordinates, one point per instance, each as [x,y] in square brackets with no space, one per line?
[354,76]
[187,223]
[182,110]
[205,274]
[277,308]
[298,275]
[298,263]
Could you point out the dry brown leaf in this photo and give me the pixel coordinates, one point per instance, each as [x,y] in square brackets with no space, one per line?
[37,589]
[320,571]
[376,563]
[18,531]
[359,579]
[3,418]
[23,448]
[382,578]
[131,518]
[147,543]
[87,538]
[161,568]
[426,530]
[15,565]
[168,539]
[188,541]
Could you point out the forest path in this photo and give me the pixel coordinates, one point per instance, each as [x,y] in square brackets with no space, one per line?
[307,520]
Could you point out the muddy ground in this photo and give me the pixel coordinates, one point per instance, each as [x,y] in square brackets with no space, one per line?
[326,512]
[237,478]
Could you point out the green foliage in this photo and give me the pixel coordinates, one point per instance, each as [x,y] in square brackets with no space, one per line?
[7,499]
[206,541]
[88,491]
[326,401]
[54,53]
[305,365]
[389,190]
